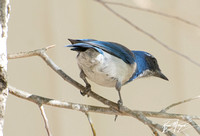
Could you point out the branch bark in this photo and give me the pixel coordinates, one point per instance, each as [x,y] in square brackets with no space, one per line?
[4,16]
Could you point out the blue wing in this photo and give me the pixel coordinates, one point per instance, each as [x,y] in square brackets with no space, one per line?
[112,48]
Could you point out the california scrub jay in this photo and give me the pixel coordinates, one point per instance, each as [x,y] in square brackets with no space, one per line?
[111,64]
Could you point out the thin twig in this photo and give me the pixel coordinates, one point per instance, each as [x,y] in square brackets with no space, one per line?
[149,35]
[29,53]
[90,122]
[178,103]
[153,12]
[45,120]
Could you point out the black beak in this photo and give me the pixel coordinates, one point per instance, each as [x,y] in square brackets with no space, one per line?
[161,75]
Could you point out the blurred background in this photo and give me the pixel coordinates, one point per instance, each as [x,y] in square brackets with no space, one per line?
[36,24]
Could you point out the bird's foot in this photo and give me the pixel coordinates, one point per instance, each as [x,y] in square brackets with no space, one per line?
[120,103]
[87,89]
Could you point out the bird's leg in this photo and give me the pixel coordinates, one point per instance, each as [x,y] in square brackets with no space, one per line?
[88,86]
[120,102]
[118,87]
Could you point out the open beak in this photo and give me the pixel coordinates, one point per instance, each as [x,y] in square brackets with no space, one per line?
[161,75]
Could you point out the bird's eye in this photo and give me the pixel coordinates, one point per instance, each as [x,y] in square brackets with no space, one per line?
[154,61]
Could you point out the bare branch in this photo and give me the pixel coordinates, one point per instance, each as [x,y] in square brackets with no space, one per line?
[36,52]
[91,125]
[148,34]
[178,103]
[153,12]
[45,120]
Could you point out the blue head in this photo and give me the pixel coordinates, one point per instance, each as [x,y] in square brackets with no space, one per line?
[146,66]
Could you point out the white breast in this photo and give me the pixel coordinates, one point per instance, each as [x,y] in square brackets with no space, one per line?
[104,69]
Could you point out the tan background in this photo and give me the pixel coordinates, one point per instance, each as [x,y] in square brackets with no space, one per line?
[38,23]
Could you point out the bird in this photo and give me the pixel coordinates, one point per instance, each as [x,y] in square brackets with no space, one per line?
[111,64]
